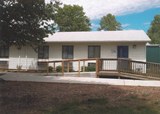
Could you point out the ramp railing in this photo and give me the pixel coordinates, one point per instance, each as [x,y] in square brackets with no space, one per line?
[121,65]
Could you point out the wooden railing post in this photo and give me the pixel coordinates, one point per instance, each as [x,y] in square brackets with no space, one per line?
[68,66]
[47,68]
[54,67]
[130,65]
[100,64]
[97,67]
[83,66]
[62,68]
[118,65]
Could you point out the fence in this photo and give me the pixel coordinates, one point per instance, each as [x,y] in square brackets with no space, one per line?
[146,69]
[70,65]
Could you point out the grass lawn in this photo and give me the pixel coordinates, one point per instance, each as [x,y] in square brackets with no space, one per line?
[100,106]
[53,98]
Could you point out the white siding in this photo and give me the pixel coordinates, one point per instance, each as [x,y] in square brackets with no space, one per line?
[25,57]
[55,51]
[138,53]
[108,50]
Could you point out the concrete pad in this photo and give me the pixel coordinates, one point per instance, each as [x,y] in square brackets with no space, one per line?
[81,80]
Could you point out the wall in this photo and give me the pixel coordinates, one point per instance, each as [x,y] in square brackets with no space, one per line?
[138,53]
[27,57]
[108,50]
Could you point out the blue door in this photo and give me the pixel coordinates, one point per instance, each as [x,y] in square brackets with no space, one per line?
[122,52]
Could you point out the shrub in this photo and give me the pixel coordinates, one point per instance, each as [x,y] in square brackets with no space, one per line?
[50,69]
[59,69]
[89,68]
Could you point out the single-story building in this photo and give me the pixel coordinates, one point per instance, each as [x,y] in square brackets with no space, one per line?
[75,45]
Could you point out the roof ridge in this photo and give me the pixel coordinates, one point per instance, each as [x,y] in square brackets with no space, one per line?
[97,31]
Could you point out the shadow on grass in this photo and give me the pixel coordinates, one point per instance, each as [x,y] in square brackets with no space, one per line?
[102,106]
[54,98]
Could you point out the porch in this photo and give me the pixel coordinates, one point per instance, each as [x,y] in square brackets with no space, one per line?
[108,67]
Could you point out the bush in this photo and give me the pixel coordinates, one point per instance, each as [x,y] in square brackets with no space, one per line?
[50,69]
[59,69]
[89,68]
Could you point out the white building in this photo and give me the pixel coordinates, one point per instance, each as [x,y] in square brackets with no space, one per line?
[75,45]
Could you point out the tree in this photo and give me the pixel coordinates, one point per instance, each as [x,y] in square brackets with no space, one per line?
[24,22]
[154,30]
[72,18]
[109,23]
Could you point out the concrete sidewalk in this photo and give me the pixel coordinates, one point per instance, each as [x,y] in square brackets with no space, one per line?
[82,80]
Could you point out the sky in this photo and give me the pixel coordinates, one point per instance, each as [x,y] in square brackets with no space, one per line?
[132,14]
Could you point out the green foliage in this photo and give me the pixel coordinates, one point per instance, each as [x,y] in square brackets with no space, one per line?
[109,23]
[154,30]
[50,69]
[89,68]
[72,18]
[24,22]
[101,106]
[59,69]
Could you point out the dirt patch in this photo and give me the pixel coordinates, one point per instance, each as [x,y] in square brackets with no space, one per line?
[37,98]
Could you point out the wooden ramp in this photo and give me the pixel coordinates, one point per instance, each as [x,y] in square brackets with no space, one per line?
[107,67]
[116,74]
[108,73]
[128,68]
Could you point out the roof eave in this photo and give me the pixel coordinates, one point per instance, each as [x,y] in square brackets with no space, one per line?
[92,41]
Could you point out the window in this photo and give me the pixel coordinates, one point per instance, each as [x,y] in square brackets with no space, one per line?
[4,52]
[3,64]
[67,52]
[93,51]
[122,52]
[43,52]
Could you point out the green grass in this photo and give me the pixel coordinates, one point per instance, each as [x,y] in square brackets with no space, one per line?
[100,106]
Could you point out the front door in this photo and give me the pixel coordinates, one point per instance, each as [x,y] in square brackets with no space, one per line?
[122,52]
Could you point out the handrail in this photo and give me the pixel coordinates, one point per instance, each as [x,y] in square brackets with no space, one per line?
[120,65]
[131,66]
[117,64]
[67,60]
[70,60]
